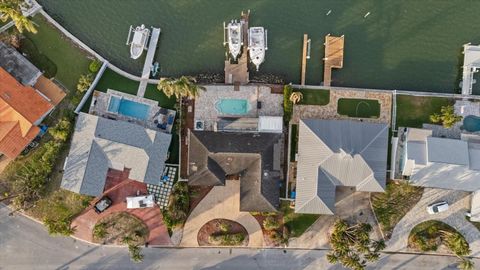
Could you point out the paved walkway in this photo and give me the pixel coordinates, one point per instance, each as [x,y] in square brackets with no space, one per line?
[221,202]
[459,202]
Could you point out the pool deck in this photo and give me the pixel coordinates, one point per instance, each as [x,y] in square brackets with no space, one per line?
[99,106]
[206,111]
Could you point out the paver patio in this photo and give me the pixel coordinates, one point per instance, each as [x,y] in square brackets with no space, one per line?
[119,189]
[221,202]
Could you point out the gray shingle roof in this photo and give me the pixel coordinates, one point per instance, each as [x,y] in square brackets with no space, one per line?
[99,144]
[338,153]
[213,155]
[18,66]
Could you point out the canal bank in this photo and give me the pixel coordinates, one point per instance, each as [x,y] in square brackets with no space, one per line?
[400,45]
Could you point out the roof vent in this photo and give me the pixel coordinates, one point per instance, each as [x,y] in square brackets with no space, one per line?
[7,95]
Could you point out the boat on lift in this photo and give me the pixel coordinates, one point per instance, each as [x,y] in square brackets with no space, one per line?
[257,45]
[234,38]
[139,41]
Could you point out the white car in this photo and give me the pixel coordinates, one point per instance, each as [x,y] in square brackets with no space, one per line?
[437,207]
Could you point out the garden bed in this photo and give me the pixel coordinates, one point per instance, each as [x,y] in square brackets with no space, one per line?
[222,232]
[361,108]
[197,193]
[119,228]
[272,237]
[390,207]
[434,235]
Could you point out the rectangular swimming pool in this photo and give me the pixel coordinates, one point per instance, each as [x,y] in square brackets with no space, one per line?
[129,108]
[233,106]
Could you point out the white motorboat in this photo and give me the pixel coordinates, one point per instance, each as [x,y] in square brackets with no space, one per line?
[139,41]
[257,45]
[235,38]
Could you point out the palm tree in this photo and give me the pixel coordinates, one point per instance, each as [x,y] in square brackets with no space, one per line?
[296,97]
[12,10]
[466,264]
[182,87]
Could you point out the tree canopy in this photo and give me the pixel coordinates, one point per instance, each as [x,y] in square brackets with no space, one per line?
[12,10]
[446,117]
[184,86]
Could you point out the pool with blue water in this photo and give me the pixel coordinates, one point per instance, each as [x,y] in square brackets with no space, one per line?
[128,108]
[233,106]
[471,123]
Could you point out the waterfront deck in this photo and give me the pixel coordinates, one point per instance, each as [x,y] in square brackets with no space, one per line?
[471,64]
[152,46]
[237,73]
[333,56]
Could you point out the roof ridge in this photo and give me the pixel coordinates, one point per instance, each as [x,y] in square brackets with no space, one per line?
[374,138]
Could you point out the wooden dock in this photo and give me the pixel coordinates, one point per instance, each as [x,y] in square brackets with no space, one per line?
[333,56]
[304,59]
[152,47]
[237,73]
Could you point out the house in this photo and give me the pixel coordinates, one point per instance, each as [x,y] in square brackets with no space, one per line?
[29,75]
[22,109]
[442,162]
[100,144]
[338,153]
[251,158]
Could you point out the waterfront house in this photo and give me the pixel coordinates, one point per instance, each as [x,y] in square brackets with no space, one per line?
[251,158]
[22,110]
[446,163]
[338,153]
[100,144]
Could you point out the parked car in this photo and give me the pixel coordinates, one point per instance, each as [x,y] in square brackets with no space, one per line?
[437,207]
[103,204]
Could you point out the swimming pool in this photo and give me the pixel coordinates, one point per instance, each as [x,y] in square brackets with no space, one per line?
[128,108]
[471,123]
[233,106]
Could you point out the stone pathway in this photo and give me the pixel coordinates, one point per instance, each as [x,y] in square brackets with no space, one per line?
[459,202]
[221,202]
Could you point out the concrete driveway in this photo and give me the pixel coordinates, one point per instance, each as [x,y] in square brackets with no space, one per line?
[221,202]
[459,202]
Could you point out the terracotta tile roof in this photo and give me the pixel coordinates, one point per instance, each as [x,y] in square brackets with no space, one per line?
[20,108]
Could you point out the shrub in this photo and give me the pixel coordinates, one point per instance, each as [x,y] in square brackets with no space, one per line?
[100,230]
[178,206]
[135,253]
[84,82]
[95,66]
[62,130]
[270,223]
[58,226]
[227,239]
[224,226]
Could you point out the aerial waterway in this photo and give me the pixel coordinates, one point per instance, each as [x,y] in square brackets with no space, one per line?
[412,45]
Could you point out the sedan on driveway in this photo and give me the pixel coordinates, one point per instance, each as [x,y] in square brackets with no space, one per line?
[437,207]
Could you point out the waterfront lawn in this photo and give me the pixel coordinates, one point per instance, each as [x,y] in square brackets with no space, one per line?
[297,224]
[314,97]
[153,93]
[293,142]
[363,108]
[392,205]
[414,111]
[70,61]
[112,80]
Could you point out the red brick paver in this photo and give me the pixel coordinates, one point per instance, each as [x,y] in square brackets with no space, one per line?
[118,189]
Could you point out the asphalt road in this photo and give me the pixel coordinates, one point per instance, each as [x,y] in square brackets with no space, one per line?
[25,244]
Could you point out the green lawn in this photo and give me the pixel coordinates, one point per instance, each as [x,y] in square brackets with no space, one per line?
[362,108]
[414,111]
[70,61]
[314,97]
[297,224]
[293,142]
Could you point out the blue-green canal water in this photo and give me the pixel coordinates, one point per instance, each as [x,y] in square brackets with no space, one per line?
[411,45]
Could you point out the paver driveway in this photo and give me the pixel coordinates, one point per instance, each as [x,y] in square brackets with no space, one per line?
[221,202]
[459,202]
